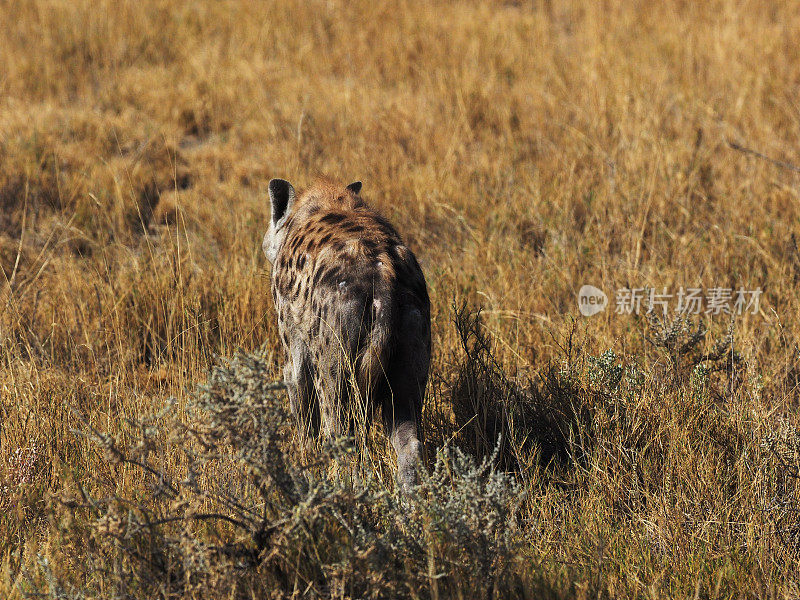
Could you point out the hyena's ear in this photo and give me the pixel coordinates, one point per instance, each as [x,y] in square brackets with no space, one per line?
[281,195]
[355,187]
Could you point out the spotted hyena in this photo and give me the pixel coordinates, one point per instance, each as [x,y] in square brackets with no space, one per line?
[353,314]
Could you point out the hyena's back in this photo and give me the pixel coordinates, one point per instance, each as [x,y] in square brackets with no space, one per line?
[352,307]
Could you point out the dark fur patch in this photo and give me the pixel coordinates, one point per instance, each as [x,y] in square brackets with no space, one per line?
[332,219]
[353,228]
[331,276]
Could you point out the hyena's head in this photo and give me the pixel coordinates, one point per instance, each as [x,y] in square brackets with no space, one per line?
[283,202]
[281,196]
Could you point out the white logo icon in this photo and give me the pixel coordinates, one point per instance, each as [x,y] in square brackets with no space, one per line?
[591,300]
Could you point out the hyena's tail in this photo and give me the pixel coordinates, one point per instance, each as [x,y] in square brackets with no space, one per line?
[375,352]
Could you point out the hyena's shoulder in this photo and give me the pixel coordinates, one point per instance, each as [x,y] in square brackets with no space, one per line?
[334,242]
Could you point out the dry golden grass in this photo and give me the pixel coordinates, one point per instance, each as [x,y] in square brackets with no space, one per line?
[523,149]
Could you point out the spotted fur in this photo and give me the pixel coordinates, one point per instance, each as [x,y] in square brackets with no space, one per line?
[353,314]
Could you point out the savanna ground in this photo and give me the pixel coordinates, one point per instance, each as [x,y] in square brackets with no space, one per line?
[523,149]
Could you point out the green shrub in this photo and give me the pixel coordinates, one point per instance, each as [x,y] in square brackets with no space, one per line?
[252,515]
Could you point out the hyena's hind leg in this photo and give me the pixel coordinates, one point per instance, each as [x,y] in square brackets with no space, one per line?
[336,380]
[298,373]
[407,377]
[333,394]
